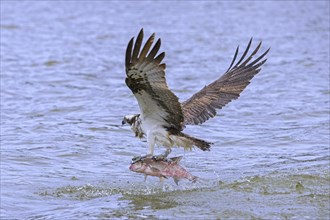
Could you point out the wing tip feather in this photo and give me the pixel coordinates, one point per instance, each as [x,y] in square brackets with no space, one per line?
[233,82]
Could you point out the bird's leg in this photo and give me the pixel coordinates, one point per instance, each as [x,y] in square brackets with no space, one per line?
[151,144]
[164,155]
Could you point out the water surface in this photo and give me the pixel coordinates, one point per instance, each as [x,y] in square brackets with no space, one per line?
[65,155]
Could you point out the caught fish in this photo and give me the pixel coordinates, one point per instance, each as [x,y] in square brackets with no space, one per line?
[164,168]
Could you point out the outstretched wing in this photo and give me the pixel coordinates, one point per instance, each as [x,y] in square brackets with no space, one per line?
[202,105]
[146,78]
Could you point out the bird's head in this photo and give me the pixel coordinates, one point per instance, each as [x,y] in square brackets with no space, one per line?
[130,119]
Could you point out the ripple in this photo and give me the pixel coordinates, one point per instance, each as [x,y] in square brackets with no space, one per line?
[65,155]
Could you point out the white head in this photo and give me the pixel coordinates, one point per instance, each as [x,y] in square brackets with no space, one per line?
[130,119]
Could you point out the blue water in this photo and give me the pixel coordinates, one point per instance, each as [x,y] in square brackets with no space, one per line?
[65,155]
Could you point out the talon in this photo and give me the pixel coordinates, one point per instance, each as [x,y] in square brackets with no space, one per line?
[136,159]
[159,157]
[167,152]
[162,157]
[140,158]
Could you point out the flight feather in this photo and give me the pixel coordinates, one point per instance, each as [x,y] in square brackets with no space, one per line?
[146,79]
[203,104]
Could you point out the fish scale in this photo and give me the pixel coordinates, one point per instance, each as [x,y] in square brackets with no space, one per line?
[163,168]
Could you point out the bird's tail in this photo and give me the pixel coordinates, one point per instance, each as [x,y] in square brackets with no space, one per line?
[192,141]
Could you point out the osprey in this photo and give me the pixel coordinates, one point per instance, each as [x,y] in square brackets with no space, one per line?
[162,117]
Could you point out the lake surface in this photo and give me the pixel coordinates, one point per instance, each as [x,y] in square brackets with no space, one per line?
[65,155]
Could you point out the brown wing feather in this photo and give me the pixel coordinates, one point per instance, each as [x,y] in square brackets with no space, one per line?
[202,105]
[146,79]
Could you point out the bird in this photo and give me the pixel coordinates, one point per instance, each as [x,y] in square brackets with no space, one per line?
[162,116]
